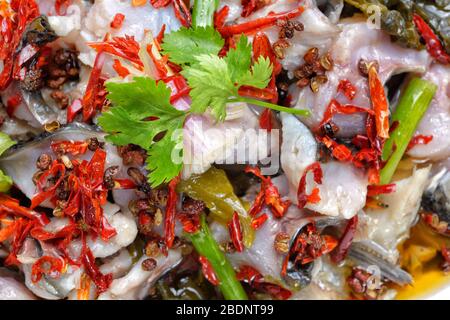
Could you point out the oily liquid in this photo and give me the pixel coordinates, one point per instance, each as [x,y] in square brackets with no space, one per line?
[431,278]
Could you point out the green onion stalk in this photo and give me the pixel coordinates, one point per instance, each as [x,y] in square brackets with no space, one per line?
[410,110]
[206,246]
[202,240]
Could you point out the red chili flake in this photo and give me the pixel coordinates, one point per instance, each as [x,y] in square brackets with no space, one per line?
[50,266]
[44,192]
[336,108]
[72,147]
[120,69]
[273,200]
[124,47]
[361,141]
[257,222]
[379,103]
[314,197]
[434,46]
[22,229]
[235,230]
[12,103]
[160,64]
[340,252]
[74,109]
[61,6]
[94,87]
[270,194]
[347,88]
[12,207]
[255,279]
[169,223]
[160,37]
[375,190]
[419,139]
[160,3]
[248,7]
[339,151]
[179,87]
[257,24]
[208,271]
[117,21]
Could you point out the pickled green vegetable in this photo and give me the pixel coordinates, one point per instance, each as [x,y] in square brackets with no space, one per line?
[396,18]
[216,191]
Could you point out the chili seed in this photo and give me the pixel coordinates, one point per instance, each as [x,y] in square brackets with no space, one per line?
[326,62]
[66,161]
[44,161]
[311,55]
[314,85]
[282,243]
[52,126]
[158,217]
[149,264]
[152,249]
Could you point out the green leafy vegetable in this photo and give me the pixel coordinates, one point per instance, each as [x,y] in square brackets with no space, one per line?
[396,18]
[184,45]
[5,143]
[215,81]
[128,122]
[410,110]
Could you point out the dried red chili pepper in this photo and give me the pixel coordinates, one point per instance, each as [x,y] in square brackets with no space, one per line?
[220,17]
[117,21]
[72,147]
[8,231]
[258,24]
[182,12]
[74,109]
[179,87]
[44,192]
[434,45]
[379,103]
[61,6]
[124,184]
[94,86]
[169,223]
[340,252]
[235,231]
[347,88]
[13,21]
[270,194]
[22,229]
[120,69]
[339,151]
[50,266]
[375,190]
[12,103]
[419,139]
[255,280]
[208,271]
[124,47]
[248,7]
[257,222]
[336,108]
[314,197]
[101,281]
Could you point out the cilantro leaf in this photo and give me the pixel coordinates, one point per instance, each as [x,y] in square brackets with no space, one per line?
[214,81]
[128,122]
[211,85]
[184,45]
[239,59]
